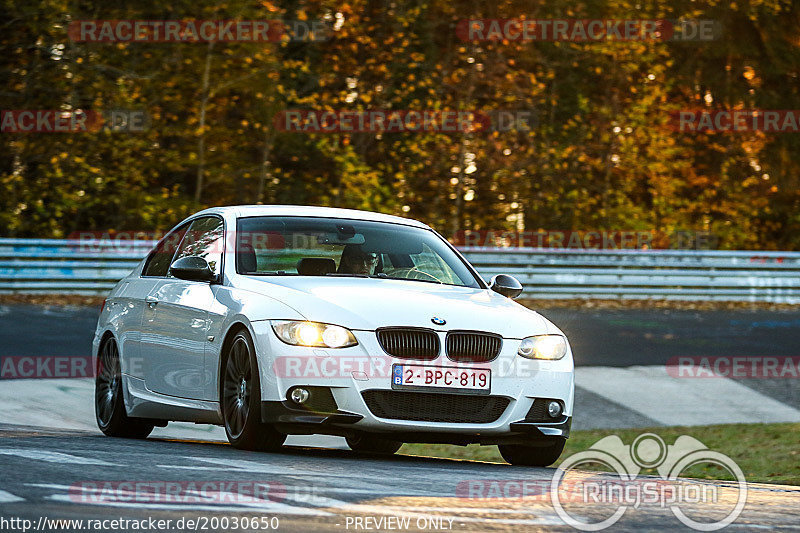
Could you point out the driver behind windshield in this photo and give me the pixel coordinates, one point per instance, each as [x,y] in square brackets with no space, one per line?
[356,261]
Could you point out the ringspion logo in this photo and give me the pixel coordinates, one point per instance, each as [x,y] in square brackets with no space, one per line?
[627,490]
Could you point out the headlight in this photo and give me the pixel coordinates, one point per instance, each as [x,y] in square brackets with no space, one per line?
[550,347]
[302,333]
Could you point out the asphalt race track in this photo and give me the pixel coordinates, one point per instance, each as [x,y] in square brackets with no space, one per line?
[621,379]
[51,474]
[599,337]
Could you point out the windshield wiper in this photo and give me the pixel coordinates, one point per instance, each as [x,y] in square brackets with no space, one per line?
[381,275]
[416,279]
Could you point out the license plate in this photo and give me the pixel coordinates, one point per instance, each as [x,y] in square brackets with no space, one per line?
[437,377]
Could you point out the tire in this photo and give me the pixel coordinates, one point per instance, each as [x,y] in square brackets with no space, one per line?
[521,455]
[109,405]
[240,398]
[370,444]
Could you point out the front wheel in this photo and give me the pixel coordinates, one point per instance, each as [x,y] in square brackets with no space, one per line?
[241,399]
[371,444]
[521,455]
[109,406]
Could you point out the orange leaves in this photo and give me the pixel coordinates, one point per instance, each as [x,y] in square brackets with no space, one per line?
[269,6]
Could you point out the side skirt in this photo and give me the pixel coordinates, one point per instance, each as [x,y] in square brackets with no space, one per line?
[140,402]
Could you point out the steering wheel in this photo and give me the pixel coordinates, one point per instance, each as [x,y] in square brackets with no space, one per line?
[413,273]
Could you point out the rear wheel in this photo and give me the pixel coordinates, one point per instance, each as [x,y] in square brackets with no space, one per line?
[241,399]
[364,443]
[521,455]
[109,406]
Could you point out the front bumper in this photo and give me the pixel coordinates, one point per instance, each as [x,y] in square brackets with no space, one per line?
[350,372]
[291,420]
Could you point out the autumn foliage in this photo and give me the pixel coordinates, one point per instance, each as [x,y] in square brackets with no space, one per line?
[598,155]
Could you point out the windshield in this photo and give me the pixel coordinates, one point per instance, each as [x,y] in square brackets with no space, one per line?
[309,246]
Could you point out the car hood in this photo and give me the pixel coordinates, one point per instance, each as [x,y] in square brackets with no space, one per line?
[368,304]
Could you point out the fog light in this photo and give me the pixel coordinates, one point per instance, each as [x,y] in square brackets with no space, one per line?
[554,409]
[299,395]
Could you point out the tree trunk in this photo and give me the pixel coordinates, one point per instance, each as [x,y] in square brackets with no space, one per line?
[201,142]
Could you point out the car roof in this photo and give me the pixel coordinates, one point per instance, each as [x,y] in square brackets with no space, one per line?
[309,211]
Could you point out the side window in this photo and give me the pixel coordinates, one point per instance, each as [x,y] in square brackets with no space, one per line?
[204,239]
[160,258]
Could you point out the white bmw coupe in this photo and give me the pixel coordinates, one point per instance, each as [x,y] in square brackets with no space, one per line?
[277,320]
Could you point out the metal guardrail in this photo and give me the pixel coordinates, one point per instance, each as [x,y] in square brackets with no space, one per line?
[67,266]
[665,274]
[93,267]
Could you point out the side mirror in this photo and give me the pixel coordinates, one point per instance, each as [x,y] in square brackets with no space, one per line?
[506,285]
[192,268]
